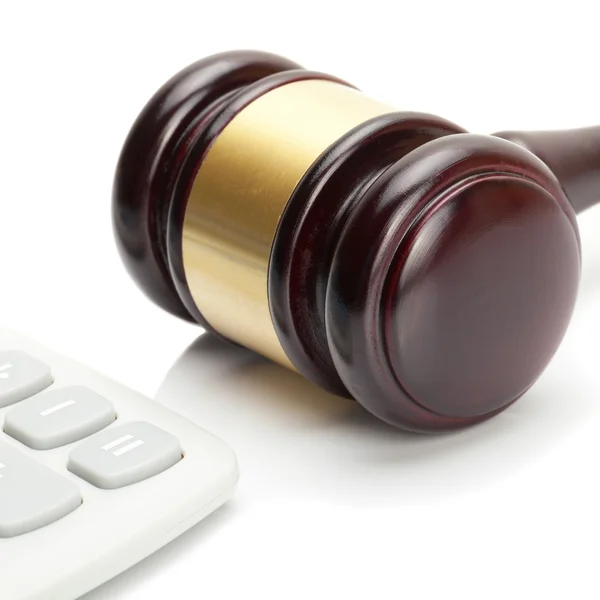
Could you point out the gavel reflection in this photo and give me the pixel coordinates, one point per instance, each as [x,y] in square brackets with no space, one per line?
[387,256]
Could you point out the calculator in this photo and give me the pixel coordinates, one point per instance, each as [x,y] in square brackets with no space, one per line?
[94,477]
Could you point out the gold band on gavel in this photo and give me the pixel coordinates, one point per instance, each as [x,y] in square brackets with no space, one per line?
[240,193]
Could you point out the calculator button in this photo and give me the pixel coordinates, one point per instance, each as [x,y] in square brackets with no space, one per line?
[21,376]
[124,455]
[59,417]
[31,495]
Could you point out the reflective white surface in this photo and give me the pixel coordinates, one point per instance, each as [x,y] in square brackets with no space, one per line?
[328,491]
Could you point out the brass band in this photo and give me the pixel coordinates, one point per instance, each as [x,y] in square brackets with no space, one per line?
[239,195]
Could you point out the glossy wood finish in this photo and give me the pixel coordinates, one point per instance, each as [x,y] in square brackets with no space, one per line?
[152,156]
[447,306]
[574,157]
[426,272]
[311,225]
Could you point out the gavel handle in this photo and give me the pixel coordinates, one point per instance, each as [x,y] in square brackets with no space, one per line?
[574,157]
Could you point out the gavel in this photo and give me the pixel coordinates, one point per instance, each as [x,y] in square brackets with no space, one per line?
[390,257]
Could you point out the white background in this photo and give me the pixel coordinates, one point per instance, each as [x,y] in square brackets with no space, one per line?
[331,503]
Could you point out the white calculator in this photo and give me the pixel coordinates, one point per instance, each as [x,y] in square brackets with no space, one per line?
[93,476]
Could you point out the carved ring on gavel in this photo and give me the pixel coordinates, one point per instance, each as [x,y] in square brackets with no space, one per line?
[387,256]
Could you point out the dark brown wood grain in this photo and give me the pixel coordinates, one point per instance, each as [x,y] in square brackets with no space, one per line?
[574,157]
[444,307]
[311,225]
[152,156]
[428,273]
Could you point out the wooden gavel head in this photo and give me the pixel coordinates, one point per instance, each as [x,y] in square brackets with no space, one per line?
[387,256]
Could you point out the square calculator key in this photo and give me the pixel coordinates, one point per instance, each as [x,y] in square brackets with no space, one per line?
[124,455]
[21,376]
[59,417]
[31,495]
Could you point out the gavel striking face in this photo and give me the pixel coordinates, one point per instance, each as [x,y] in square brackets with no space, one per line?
[387,256]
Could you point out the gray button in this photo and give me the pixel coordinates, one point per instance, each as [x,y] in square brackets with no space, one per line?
[31,495]
[124,455]
[21,376]
[59,417]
